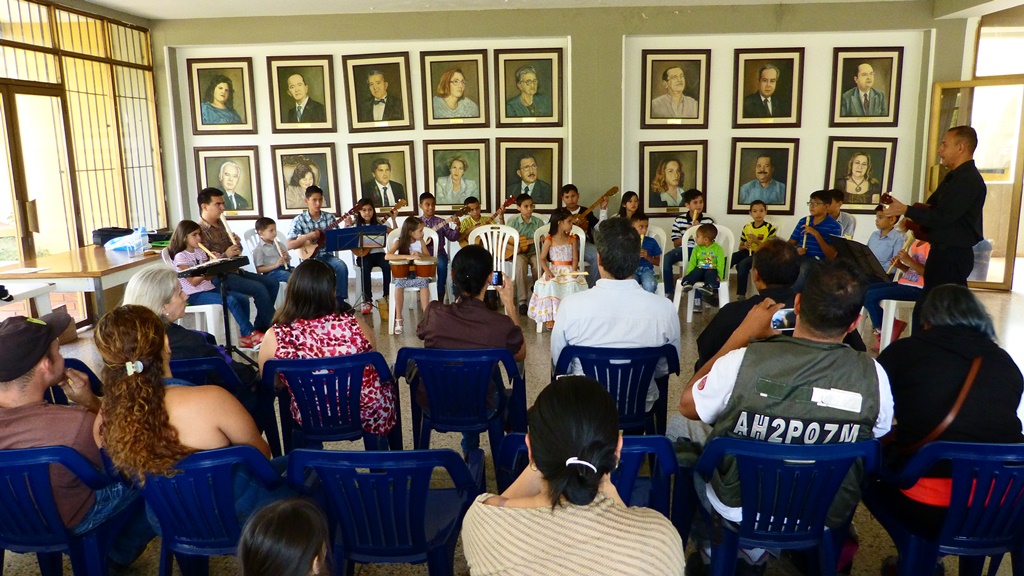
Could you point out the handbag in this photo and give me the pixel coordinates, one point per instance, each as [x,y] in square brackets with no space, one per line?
[968,382]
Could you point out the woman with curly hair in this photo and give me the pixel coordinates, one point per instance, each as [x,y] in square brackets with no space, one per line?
[218,105]
[302,177]
[667,185]
[147,423]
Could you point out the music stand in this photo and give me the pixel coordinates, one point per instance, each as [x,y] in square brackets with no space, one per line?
[355,237]
[861,256]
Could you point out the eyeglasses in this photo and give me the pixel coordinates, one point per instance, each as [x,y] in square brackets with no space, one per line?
[463,82]
[815,203]
[528,82]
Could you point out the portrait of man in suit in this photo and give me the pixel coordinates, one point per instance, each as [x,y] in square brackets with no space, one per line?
[304,109]
[230,172]
[381,105]
[767,102]
[528,180]
[381,188]
[864,99]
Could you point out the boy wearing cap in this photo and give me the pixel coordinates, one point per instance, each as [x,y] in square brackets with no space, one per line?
[30,363]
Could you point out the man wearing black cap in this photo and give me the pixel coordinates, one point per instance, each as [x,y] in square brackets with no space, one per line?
[30,363]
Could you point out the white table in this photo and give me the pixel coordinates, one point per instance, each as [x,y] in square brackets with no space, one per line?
[38,293]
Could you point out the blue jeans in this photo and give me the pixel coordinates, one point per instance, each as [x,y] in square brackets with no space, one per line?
[279,274]
[887,291]
[442,275]
[645,276]
[340,271]
[709,276]
[238,305]
[670,259]
[590,257]
[806,264]
[136,534]
[263,290]
[743,261]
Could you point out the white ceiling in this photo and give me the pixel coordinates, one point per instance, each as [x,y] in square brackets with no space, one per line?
[184,9]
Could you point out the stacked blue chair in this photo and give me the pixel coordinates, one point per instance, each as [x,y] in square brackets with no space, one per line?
[986,509]
[786,492]
[55,395]
[30,522]
[627,374]
[195,507]
[456,383]
[327,392]
[381,508]
[668,489]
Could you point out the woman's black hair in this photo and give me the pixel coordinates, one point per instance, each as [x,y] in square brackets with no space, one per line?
[556,217]
[954,305]
[573,417]
[283,539]
[310,293]
[626,198]
[471,270]
[218,80]
[359,213]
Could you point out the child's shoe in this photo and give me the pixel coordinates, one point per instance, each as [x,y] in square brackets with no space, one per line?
[366,308]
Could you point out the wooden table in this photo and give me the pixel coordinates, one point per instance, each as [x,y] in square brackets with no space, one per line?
[39,292]
[89,269]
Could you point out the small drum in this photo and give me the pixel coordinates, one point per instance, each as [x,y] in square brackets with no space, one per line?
[426,267]
[400,268]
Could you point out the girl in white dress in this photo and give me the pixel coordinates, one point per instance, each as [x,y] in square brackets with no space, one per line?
[559,257]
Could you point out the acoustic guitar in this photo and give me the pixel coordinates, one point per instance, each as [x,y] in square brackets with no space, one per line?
[464,237]
[919,231]
[311,248]
[524,245]
[581,218]
[362,252]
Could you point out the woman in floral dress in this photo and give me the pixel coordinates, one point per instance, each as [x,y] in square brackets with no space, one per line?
[559,258]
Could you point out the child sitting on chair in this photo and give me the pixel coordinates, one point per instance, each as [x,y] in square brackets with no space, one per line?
[650,253]
[559,259]
[754,233]
[371,257]
[270,258]
[409,246]
[706,265]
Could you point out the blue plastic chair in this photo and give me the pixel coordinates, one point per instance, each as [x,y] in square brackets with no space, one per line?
[30,521]
[55,395]
[456,383]
[668,489]
[195,507]
[627,373]
[381,508]
[786,493]
[197,371]
[986,509]
[327,391]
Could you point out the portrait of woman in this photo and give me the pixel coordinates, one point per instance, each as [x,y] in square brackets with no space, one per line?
[667,185]
[449,97]
[218,106]
[858,183]
[303,176]
[528,102]
[454,188]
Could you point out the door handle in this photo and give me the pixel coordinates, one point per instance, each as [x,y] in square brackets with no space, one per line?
[32,217]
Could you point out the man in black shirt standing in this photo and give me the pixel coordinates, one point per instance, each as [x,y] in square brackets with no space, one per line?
[952,218]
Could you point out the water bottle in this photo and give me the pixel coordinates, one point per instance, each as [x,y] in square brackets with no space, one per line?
[145,238]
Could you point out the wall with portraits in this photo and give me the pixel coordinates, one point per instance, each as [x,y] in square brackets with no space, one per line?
[457,118]
[773,117]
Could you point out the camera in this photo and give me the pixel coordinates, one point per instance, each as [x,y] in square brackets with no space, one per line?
[784,319]
[496,278]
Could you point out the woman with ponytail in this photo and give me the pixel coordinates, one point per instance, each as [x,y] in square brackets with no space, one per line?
[148,422]
[563,514]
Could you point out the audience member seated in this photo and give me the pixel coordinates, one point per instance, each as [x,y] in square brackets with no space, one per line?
[285,538]
[147,426]
[470,323]
[617,313]
[308,325]
[907,288]
[746,385]
[776,266]
[927,372]
[158,289]
[563,514]
[30,362]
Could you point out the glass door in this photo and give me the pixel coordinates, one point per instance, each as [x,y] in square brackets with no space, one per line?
[995,109]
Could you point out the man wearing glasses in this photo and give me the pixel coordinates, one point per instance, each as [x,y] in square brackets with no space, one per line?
[673,103]
[528,182]
[763,187]
[528,102]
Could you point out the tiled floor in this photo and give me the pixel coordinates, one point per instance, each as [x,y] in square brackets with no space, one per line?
[1007,310]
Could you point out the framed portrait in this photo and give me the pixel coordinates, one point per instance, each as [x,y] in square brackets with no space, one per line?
[530,166]
[378,92]
[302,93]
[667,169]
[220,91]
[384,172]
[300,166]
[862,168]
[456,170]
[236,172]
[763,169]
[866,86]
[529,88]
[676,88]
[768,88]
[455,89]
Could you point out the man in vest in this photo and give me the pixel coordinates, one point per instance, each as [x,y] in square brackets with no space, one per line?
[808,389]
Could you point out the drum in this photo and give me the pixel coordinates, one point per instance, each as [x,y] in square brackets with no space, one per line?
[400,268]
[426,267]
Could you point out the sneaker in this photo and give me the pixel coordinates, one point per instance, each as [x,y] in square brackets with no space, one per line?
[706,290]
[523,309]
[366,308]
[251,341]
[687,288]
[711,299]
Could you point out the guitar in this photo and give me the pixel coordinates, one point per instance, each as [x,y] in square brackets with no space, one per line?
[581,218]
[464,236]
[458,214]
[361,252]
[919,231]
[524,245]
[311,248]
